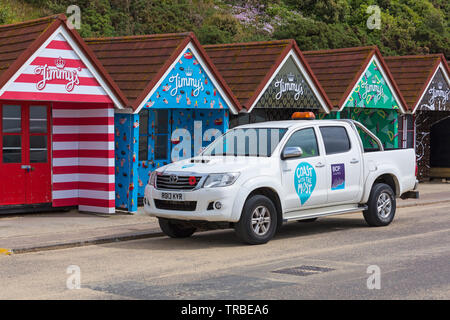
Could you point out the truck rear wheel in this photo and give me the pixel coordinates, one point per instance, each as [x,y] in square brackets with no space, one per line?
[258,221]
[176,229]
[381,206]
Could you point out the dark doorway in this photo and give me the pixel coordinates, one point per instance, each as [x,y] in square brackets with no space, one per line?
[440,144]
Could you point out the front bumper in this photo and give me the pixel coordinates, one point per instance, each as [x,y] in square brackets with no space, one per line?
[203,198]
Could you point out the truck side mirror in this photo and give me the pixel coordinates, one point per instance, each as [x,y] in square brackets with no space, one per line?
[291,152]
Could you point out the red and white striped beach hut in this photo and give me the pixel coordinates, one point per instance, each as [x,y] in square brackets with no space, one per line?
[57,120]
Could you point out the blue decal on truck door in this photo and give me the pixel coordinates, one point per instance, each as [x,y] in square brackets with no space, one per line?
[304,181]
[338,176]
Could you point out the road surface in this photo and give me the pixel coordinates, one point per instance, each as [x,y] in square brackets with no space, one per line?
[326,259]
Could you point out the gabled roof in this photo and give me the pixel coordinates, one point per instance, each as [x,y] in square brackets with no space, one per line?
[17,38]
[248,67]
[18,42]
[137,63]
[339,70]
[414,73]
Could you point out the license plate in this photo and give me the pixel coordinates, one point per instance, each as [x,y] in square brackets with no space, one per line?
[172,196]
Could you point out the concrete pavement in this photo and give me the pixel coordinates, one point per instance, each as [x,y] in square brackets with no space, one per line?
[56,230]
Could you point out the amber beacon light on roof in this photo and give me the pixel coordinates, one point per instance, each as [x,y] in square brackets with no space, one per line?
[303,116]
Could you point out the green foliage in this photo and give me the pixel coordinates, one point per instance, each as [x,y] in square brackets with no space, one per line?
[4,14]
[407,26]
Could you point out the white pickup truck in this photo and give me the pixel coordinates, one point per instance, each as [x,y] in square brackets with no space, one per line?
[257,176]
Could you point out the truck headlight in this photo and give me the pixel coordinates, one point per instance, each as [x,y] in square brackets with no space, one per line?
[220,179]
[152,179]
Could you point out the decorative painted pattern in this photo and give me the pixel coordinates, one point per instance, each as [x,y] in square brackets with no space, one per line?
[436,97]
[126,151]
[213,124]
[383,123]
[373,104]
[186,86]
[289,89]
[372,91]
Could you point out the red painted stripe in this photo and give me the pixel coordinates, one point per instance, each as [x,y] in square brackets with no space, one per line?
[58,186]
[83,121]
[83,153]
[97,186]
[83,169]
[97,202]
[83,137]
[70,63]
[42,96]
[65,202]
[35,78]
[59,44]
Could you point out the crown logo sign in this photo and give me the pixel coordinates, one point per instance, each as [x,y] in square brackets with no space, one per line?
[290,77]
[440,85]
[188,71]
[374,80]
[60,63]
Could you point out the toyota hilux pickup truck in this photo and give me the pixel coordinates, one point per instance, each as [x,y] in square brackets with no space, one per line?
[258,176]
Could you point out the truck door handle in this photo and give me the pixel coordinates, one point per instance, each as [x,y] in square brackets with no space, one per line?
[320,165]
[354,161]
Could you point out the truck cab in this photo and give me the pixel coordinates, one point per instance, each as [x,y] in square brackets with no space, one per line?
[256,177]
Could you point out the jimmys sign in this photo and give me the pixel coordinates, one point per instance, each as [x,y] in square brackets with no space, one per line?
[288,89]
[372,91]
[186,86]
[436,97]
[49,74]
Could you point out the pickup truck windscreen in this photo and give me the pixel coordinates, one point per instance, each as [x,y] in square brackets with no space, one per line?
[246,142]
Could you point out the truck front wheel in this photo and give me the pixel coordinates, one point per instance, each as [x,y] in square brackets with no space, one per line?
[176,229]
[381,206]
[258,221]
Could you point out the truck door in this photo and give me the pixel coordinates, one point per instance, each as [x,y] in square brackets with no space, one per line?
[304,178]
[343,165]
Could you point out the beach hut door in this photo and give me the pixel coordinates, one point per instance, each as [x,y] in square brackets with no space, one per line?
[25,162]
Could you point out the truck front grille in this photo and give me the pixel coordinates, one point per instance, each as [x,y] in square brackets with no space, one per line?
[174,182]
[176,205]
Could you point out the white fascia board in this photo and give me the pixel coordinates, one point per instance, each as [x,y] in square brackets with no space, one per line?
[191,47]
[305,74]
